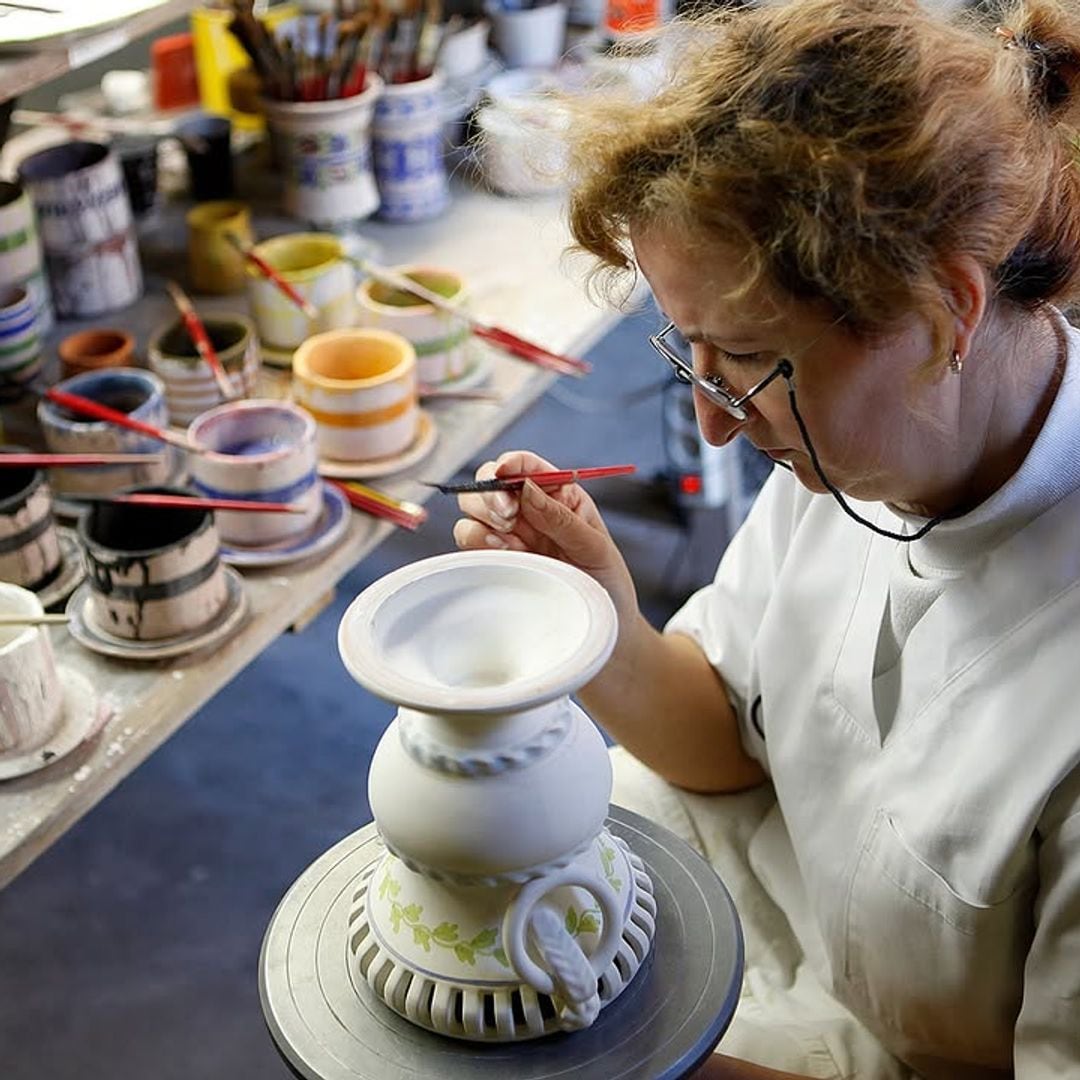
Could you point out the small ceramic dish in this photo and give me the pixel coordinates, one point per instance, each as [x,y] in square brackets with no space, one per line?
[82,715]
[72,571]
[426,436]
[323,534]
[225,622]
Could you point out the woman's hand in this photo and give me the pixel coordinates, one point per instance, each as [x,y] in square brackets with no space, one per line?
[562,523]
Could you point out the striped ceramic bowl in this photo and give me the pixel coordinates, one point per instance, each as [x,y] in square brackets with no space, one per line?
[190,387]
[130,390]
[360,386]
[259,450]
[29,549]
[20,339]
[441,341]
[154,571]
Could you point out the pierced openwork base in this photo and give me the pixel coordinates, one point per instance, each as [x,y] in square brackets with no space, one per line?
[452,976]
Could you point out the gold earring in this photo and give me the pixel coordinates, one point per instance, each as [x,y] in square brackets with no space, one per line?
[956,363]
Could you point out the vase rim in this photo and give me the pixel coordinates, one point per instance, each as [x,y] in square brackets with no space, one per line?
[360,640]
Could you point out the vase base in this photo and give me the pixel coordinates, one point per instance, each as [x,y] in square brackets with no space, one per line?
[486,1001]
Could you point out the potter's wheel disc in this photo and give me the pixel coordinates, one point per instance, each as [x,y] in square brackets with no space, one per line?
[329,1026]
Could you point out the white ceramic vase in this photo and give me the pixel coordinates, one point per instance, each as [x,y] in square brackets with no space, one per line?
[503,909]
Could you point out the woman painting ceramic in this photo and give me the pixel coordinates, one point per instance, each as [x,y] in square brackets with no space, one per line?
[860,220]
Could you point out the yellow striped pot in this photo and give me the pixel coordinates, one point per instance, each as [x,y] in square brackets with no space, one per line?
[360,386]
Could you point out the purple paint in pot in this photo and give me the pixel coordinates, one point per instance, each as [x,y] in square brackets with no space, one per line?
[251,447]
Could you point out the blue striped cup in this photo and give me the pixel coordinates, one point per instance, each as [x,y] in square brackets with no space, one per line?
[260,450]
[20,340]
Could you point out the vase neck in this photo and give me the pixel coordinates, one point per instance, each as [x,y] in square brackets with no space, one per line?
[471,732]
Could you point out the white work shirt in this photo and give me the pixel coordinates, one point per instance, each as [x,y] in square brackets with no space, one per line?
[931,867]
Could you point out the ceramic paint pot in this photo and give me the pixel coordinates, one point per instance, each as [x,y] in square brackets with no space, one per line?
[86,228]
[190,387]
[314,265]
[31,698]
[20,340]
[325,150]
[523,148]
[261,450]
[21,260]
[154,571]
[407,143]
[440,341]
[133,391]
[215,264]
[139,164]
[92,350]
[207,142]
[360,386]
[490,790]
[530,37]
[29,549]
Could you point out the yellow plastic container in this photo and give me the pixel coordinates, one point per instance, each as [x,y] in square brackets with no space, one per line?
[218,55]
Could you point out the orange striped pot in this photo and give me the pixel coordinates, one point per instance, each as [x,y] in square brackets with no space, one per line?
[360,386]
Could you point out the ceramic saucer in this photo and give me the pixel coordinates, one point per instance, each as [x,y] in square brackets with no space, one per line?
[81,716]
[85,631]
[422,445]
[327,529]
[476,374]
[72,570]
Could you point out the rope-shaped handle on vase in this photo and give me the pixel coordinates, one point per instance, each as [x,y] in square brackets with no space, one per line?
[570,975]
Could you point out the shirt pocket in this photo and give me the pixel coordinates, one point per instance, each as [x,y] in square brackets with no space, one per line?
[936,973]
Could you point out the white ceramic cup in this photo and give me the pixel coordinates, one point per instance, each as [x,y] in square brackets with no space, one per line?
[531,37]
[31,698]
[360,386]
[263,451]
[441,341]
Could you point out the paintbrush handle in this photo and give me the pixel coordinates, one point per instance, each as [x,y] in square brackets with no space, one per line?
[551,478]
[34,620]
[49,461]
[273,277]
[85,407]
[203,345]
[407,515]
[192,502]
[504,339]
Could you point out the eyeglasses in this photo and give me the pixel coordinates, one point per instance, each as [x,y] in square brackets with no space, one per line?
[676,350]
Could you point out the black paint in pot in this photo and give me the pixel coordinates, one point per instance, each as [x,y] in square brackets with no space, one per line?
[121,537]
[16,487]
[55,162]
[224,334]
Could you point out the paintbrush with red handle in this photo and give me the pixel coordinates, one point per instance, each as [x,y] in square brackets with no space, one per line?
[55,461]
[273,277]
[504,339]
[96,411]
[550,478]
[197,333]
[189,502]
[406,514]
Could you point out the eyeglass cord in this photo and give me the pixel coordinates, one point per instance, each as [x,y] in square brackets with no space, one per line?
[905,538]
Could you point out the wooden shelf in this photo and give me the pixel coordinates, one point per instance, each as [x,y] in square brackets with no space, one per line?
[24,71]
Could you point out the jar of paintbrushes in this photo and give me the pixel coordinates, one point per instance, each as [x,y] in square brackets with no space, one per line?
[324,79]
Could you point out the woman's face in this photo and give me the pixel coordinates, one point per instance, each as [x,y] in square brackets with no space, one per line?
[878,432]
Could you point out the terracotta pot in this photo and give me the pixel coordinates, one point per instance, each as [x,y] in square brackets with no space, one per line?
[360,386]
[154,572]
[91,350]
[31,699]
[260,450]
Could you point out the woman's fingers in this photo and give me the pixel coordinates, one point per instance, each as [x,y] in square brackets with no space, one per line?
[473,535]
[564,528]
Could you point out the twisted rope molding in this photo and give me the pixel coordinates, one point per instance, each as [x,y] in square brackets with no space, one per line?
[435,755]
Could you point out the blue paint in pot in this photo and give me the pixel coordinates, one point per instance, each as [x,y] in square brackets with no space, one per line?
[252,447]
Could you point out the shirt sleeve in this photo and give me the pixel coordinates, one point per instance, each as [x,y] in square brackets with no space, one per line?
[1047,1037]
[724,616]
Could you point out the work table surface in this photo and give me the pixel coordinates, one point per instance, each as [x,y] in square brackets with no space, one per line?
[511,253]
